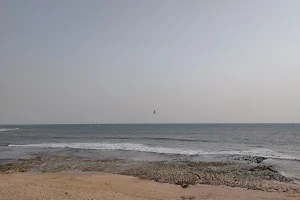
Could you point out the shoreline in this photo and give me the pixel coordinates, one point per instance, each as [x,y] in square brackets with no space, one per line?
[245,172]
[94,186]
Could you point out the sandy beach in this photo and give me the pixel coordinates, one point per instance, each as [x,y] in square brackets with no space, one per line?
[66,178]
[109,186]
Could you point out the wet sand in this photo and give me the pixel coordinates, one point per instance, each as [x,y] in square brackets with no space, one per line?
[29,186]
[248,173]
[75,178]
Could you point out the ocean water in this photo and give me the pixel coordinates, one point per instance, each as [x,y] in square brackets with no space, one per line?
[279,143]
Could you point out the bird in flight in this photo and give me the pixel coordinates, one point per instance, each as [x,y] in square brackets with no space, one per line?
[154,112]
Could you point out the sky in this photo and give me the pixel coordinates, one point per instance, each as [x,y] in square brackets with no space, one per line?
[115,61]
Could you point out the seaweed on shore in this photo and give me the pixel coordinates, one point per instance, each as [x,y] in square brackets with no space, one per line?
[60,168]
[184,173]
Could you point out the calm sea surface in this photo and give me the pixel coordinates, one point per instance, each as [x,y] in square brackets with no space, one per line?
[280,143]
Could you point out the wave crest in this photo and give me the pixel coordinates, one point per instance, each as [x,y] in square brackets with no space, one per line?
[155,138]
[267,153]
[8,129]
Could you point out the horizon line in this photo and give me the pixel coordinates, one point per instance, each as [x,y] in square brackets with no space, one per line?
[152,123]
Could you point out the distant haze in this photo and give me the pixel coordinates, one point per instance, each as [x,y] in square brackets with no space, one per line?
[192,61]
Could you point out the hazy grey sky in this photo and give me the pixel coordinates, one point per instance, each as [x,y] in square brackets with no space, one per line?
[115,61]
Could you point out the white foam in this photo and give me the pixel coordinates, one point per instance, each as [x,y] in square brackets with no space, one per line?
[115,146]
[8,129]
[267,153]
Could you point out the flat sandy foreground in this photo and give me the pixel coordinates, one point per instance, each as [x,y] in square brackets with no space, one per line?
[109,186]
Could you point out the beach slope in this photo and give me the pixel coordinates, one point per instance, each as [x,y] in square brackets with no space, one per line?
[28,186]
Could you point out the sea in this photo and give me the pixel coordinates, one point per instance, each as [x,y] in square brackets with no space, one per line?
[278,143]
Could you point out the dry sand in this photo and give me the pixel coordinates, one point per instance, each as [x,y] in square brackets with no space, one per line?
[108,186]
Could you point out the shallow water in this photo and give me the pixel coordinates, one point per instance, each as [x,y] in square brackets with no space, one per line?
[280,143]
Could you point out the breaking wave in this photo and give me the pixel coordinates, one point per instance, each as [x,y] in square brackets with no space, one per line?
[267,153]
[156,138]
[8,129]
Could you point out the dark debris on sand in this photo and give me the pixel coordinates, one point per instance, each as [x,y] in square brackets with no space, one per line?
[251,173]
